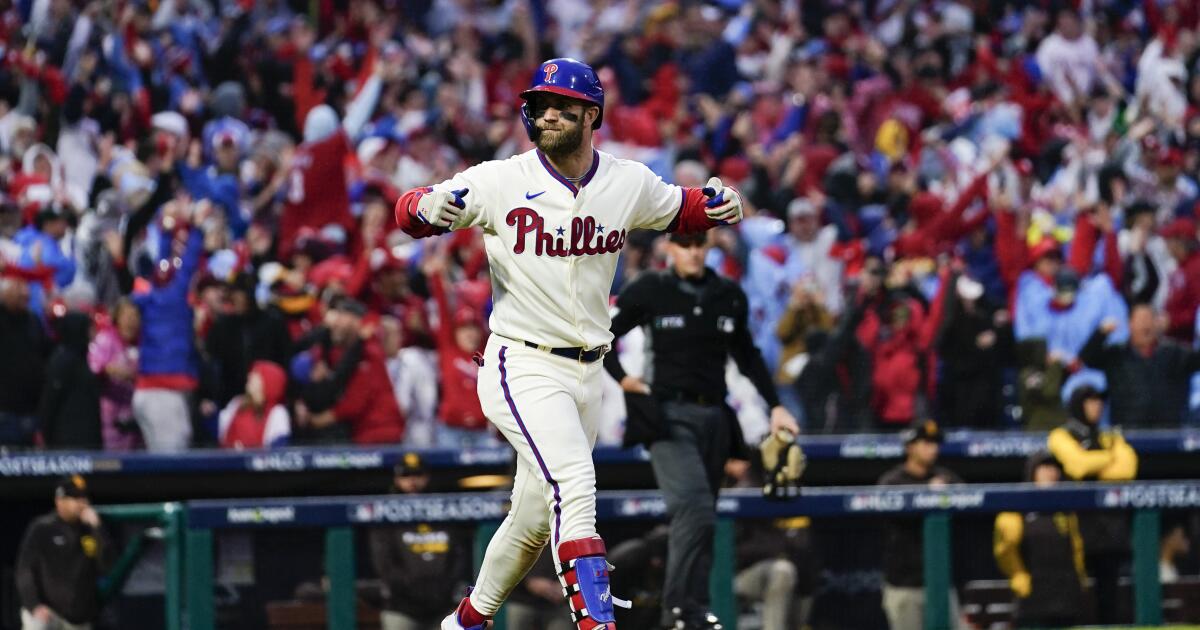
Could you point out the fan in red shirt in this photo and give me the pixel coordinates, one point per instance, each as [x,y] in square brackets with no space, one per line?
[317,192]
[1183,296]
[389,293]
[460,338]
[258,418]
[367,404]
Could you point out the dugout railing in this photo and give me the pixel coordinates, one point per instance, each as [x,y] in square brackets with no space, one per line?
[339,516]
[160,521]
[981,445]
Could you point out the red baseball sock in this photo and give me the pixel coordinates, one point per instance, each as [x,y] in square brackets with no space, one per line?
[467,615]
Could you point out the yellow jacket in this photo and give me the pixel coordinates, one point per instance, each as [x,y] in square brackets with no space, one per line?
[1114,461]
[1006,546]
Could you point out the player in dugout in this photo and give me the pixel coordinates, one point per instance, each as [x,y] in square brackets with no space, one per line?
[423,566]
[1042,555]
[61,557]
[904,539]
[1089,453]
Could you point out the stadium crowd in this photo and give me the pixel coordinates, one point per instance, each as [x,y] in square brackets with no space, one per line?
[959,210]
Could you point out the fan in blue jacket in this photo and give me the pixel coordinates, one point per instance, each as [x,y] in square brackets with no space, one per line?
[1065,315]
[168,364]
[167,353]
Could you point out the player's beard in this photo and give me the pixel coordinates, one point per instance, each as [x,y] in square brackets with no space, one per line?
[561,144]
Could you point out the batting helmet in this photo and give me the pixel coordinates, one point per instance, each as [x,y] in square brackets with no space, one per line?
[567,77]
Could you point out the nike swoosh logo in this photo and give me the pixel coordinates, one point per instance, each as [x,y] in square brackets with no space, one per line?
[529,196]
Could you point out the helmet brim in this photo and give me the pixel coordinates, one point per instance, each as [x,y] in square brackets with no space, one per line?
[561,91]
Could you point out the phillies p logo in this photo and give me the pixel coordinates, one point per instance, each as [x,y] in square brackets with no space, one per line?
[549,70]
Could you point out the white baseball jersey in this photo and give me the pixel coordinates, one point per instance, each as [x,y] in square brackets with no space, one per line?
[553,246]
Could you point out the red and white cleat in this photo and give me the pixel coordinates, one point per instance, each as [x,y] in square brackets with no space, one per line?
[454,621]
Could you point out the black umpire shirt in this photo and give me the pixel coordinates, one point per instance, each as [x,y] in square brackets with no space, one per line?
[695,325]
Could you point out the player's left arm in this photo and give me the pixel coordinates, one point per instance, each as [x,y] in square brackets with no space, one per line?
[746,355]
[663,206]
[1125,461]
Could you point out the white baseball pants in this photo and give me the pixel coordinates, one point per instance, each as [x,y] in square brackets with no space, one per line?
[548,407]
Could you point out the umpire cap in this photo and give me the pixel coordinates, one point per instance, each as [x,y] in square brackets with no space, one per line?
[693,238]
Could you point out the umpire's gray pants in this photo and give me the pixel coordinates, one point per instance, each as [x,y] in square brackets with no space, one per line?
[689,465]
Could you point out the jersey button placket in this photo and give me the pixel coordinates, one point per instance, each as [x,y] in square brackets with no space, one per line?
[573,271]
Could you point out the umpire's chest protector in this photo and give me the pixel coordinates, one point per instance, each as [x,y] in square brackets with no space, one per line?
[687,317]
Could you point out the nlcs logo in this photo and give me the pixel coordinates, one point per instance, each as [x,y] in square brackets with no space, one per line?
[550,69]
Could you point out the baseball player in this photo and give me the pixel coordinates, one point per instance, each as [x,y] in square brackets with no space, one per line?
[554,221]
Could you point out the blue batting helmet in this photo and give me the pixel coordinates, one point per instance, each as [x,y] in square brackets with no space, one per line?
[567,77]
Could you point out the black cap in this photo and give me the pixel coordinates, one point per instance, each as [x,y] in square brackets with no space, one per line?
[1138,207]
[922,430]
[694,238]
[49,212]
[410,464]
[1067,281]
[1086,391]
[1037,459]
[73,486]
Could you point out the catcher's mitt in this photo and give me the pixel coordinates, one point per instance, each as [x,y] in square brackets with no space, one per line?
[783,463]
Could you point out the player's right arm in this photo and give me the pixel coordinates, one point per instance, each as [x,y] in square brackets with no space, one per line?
[1006,546]
[409,217]
[29,564]
[454,204]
